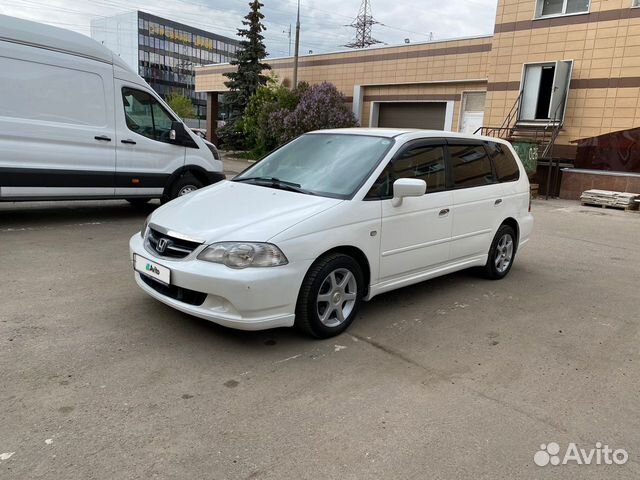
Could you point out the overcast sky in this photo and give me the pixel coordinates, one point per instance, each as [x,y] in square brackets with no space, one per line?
[322,21]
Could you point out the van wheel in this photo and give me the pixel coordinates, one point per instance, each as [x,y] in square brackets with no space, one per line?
[138,202]
[501,254]
[184,185]
[330,296]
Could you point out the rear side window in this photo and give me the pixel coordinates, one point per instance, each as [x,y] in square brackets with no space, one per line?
[505,165]
[424,162]
[470,166]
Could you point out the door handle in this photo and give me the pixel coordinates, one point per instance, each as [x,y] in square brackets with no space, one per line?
[444,212]
[498,201]
[103,138]
[128,141]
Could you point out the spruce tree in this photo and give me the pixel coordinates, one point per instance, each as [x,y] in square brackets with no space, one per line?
[248,77]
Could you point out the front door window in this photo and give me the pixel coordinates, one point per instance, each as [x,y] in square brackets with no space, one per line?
[145,115]
[424,161]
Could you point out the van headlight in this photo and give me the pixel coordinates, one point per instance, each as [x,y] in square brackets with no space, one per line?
[143,232]
[244,254]
[213,149]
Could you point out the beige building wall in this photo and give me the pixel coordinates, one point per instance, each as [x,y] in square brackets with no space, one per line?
[604,94]
[435,71]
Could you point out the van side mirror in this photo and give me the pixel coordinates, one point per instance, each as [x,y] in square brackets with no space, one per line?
[407,187]
[178,133]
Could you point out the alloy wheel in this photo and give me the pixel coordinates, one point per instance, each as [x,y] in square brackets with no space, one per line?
[504,253]
[336,297]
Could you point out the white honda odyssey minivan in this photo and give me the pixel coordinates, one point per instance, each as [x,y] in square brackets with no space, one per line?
[77,123]
[333,218]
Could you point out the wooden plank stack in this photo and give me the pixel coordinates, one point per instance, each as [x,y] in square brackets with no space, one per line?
[608,198]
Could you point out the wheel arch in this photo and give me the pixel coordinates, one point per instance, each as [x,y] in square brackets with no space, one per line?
[359,256]
[198,172]
[513,223]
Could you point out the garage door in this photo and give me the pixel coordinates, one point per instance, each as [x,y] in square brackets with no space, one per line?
[430,115]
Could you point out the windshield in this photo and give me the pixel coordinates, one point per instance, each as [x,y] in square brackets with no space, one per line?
[333,165]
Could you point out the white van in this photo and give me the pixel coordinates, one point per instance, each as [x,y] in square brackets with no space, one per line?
[77,123]
[333,218]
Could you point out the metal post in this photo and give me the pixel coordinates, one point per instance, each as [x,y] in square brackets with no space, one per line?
[297,48]
[549,170]
[212,116]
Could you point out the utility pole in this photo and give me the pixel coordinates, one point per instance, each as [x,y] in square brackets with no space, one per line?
[288,32]
[297,48]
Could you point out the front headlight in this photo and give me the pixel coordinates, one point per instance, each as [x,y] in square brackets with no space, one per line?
[213,149]
[244,254]
[143,232]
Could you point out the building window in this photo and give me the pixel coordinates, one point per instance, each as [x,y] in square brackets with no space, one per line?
[544,91]
[636,3]
[547,8]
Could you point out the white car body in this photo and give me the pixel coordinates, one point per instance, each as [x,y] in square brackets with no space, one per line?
[397,245]
[63,131]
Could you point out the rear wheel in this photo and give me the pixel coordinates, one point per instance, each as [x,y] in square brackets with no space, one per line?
[501,254]
[330,296]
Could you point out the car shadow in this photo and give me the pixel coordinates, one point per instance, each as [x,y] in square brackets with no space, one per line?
[31,215]
[384,305]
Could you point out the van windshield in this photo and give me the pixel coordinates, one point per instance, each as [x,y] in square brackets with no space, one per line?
[325,164]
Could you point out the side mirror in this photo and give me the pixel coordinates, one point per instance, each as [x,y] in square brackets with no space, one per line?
[407,187]
[178,133]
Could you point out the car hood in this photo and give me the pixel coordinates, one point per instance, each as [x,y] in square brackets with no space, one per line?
[232,211]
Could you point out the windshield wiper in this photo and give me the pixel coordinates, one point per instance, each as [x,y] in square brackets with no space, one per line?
[268,179]
[275,183]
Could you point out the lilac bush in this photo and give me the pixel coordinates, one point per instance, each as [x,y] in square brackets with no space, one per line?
[321,106]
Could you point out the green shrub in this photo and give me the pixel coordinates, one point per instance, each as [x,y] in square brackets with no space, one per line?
[181,105]
[255,121]
[232,136]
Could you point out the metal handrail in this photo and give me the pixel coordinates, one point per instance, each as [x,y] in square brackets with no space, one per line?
[557,126]
[515,110]
[506,126]
[556,122]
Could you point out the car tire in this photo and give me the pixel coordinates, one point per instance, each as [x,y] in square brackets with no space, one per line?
[330,296]
[187,183]
[501,254]
[138,202]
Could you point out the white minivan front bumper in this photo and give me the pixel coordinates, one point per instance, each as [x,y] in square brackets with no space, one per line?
[246,299]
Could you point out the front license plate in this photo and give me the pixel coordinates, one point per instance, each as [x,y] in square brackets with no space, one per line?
[151,269]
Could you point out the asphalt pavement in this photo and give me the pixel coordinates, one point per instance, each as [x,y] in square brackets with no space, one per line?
[458,377]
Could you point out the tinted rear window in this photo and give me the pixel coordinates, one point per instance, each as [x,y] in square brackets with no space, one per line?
[470,165]
[505,165]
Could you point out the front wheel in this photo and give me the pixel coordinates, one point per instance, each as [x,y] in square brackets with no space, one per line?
[330,296]
[184,185]
[501,254]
